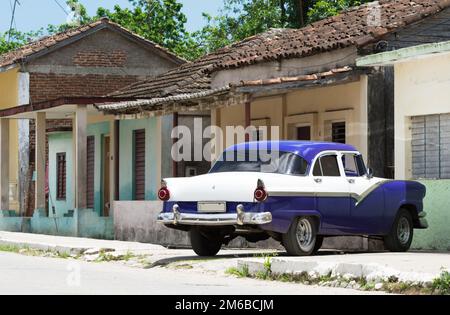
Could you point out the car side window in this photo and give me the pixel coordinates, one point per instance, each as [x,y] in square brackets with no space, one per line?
[353,165]
[327,166]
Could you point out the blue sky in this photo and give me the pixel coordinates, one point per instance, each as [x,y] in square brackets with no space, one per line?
[33,14]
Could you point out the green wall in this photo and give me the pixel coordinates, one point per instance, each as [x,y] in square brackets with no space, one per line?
[126,157]
[62,142]
[437,206]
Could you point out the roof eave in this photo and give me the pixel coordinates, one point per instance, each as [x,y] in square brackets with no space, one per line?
[404,54]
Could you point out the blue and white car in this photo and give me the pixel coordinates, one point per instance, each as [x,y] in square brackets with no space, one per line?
[304,192]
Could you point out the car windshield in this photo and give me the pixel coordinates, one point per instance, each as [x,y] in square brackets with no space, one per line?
[253,161]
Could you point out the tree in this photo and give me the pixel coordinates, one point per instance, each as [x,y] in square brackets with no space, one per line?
[15,39]
[160,21]
[239,19]
[325,8]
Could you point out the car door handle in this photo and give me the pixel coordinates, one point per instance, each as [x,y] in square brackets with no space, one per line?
[351,181]
[318,180]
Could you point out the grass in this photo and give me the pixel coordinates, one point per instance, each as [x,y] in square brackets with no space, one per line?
[440,286]
[9,248]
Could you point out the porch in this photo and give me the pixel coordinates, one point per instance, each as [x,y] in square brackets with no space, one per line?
[75,174]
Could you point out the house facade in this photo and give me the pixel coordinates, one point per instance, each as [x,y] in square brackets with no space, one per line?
[44,85]
[304,82]
[422,129]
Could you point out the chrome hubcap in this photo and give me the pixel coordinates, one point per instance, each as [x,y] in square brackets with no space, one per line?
[305,237]
[403,230]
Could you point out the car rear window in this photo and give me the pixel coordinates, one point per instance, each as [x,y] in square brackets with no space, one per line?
[278,162]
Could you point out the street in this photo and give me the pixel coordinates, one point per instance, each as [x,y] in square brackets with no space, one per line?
[21,274]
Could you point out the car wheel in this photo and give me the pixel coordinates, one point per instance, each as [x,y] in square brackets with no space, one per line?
[401,234]
[301,238]
[205,244]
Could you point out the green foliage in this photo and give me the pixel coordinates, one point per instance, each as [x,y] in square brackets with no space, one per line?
[325,8]
[160,21]
[163,22]
[242,272]
[237,20]
[15,39]
[441,285]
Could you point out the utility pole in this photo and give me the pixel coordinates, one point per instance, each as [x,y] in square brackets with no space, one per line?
[12,19]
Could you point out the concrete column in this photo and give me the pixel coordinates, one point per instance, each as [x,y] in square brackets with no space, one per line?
[40,160]
[4,164]
[112,164]
[80,132]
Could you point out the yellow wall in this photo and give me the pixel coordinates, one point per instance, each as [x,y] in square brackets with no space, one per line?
[422,87]
[319,106]
[8,98]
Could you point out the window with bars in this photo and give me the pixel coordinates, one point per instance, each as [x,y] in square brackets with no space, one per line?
[61,176]
[338,132]
[430,146]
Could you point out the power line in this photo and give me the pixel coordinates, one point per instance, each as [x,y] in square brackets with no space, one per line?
[61,6]
[12,19]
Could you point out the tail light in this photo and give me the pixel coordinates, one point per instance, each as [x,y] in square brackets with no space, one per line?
[260,192]
[164,193]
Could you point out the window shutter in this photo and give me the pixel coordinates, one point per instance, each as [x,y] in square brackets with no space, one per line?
[431,146]
[61,176]
[445,145]
[139,164]
[90,171]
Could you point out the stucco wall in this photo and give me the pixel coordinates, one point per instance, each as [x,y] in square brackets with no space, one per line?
[152,128]
[421,88]
[61,142]
[9,95]
[320,106]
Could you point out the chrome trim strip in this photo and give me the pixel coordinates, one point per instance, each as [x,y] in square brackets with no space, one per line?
[359,198]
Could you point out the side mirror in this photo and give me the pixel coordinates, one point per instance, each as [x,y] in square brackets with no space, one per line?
[369,173]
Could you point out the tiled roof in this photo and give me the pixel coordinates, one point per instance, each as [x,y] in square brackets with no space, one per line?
[150,104]
[358,27]
[46,43]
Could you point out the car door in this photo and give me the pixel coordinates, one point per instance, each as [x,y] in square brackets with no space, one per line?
[332,194]
[367,200]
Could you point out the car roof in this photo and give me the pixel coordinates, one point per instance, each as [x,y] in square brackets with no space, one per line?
[306,149]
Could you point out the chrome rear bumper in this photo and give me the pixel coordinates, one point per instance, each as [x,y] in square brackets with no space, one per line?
[238,218]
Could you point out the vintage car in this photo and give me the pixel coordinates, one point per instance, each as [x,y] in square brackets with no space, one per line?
[302,193]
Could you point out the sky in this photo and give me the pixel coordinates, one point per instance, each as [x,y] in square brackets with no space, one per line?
[34,14]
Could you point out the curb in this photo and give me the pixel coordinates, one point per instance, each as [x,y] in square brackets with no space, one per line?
[68,250]
[371,272]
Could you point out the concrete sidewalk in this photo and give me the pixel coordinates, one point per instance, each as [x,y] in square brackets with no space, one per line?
[89,249]
[415,267]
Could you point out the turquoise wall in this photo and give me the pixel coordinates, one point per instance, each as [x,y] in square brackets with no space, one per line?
[437,206]
[99,131]
[126,157]
[59,143]
[62,142]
